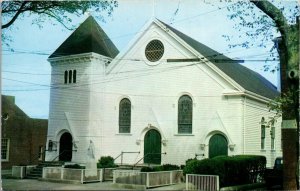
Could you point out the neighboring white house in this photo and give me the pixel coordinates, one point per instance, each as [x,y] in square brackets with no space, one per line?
[166,93]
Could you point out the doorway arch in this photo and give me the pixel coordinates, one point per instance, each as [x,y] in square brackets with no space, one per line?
[218,146]
[152,147]
[65,147]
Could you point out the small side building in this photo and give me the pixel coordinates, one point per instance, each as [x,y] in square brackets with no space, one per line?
[23,138]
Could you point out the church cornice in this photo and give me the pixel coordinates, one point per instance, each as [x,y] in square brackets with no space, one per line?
[79,58]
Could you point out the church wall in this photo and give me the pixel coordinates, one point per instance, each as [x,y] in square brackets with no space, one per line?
[154,100]
[254,111]
[154,90]
[69,106]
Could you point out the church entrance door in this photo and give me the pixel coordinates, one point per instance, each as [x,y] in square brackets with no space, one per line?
[65,147]
[152,147]
[218,146]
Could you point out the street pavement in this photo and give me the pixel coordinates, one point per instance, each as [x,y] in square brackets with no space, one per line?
[31,184]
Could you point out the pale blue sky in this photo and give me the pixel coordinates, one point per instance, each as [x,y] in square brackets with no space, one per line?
[26,72]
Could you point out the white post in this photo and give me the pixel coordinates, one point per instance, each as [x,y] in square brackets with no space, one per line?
[171,177]
[62,173]
[114,176]
[147,180]
[22,172]
[43,173]
[218,183]
[81,176]
[186,182]
[101,175]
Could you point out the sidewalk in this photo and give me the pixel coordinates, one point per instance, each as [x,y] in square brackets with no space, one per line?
[30,184]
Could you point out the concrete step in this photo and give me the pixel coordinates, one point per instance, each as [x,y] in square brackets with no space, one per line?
[38,171]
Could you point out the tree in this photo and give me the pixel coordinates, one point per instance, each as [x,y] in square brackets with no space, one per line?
[287,46]
[288,49]
[58,11]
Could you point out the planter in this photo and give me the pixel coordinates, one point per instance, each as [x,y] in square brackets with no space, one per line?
[149,179]
[75,175]
[19,171]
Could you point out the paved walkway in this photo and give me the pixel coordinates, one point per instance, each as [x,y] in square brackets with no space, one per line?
[29,184]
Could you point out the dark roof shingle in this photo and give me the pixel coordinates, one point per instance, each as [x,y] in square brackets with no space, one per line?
[88,37]
[245,77]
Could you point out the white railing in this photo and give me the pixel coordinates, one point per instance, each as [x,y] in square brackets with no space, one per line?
[149,179]
[202,182]
[78,175]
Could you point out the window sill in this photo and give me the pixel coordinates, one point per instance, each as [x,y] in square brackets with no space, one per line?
[4,160]
[179,134]
[126,134]
[263,150]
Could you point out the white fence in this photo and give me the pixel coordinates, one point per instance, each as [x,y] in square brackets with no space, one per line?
[77,175]
[202,182]
[22,171]
[149,179]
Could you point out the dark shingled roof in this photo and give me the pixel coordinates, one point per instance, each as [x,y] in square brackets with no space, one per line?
[88,37]
[245,77]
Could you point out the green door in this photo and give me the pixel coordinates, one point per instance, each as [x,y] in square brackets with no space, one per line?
[218,146]
[152,147]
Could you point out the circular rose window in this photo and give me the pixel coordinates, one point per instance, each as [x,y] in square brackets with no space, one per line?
[154,50]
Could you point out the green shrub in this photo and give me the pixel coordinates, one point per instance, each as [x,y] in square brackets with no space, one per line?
[147,169]
[106,162]
[165,167]
[75,166]
[234,170]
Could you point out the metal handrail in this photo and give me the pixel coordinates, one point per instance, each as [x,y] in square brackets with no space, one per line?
[146,156]
[197,155]
[36,157]
[61,154]
[124,152]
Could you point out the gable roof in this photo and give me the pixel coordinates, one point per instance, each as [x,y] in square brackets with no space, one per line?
[88,37]
[248,79]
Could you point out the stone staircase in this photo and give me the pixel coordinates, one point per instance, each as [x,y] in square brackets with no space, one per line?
[37,172]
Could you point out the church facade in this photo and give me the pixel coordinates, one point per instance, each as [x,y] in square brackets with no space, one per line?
[165,99]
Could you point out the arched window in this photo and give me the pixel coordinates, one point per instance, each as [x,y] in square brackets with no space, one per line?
[272,136]
[66,77]
[124,116]
[70,76]
[263,133]
[185,114]
[74,76]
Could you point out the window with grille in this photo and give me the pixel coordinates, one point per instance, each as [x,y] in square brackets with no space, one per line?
[124,116]
[4,149]
[272,137]
[263,133]
[154,50]
[66,77]
[70,76]
[185,114]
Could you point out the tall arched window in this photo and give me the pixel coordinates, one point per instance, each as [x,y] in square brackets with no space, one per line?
[70,76]
[74,76]
[124,116]
[185,114]
[263,133]
[272,136]
[66,77]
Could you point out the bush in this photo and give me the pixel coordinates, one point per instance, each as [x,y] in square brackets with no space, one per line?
[234,170]
[147,169]
[165,167]
[106,162]
[75,166]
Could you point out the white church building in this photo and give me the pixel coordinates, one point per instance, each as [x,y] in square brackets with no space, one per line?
[166,98]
